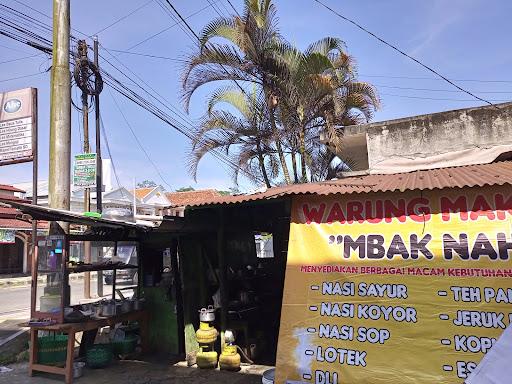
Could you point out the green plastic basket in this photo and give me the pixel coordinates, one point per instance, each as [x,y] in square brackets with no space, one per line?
[126,346]
[99,356]
[52,349]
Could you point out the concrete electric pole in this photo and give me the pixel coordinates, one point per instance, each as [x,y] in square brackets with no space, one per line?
[60,110]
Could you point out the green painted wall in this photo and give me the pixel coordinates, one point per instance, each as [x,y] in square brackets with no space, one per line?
[163,326]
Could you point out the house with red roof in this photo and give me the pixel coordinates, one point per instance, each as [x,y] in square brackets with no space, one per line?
[15,234]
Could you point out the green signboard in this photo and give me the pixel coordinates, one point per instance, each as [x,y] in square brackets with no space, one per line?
[7,236]
[84,170]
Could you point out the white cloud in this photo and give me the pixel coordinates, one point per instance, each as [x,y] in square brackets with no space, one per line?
[442,15]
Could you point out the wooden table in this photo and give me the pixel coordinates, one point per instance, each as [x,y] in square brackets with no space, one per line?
[71,329]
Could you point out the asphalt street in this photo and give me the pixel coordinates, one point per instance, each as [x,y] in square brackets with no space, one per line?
[15,304]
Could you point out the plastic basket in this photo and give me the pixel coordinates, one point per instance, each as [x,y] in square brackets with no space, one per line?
[52,349]
[126,346]
[99,356]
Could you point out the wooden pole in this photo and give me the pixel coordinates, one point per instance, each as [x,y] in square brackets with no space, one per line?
[179,294]
[221,253]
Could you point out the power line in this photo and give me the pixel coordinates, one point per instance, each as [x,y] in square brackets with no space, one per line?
[13,49]
[79,123]
[45,46]
[173,17]
[48,17]
[437,79]
[146,55]
[198,38]
[234,9]
[434,89]
[19,58]
[105,140]
[401,52]
[377,85]
[21,77]
[139,143]
[442,99]
[124,17]
[217,10]
[167,28]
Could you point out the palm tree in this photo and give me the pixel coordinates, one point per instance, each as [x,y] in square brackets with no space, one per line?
[322,94]
[248,56]
[298,94]
[244,134]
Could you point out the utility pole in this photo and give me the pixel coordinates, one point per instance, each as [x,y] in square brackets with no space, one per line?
[88,79]
[60,111]
[83,60]
[99,165]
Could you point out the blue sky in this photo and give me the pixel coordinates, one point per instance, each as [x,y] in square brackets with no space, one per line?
[462,39]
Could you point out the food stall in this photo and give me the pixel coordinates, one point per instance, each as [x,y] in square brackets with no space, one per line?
[233,259]
[56,319]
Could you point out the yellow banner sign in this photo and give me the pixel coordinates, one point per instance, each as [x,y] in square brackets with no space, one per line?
[395,288]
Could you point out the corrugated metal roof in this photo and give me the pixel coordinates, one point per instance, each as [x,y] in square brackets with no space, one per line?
[51,214]
[457,177]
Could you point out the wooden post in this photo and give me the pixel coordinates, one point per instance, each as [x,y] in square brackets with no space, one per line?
[179,295]
[221,253]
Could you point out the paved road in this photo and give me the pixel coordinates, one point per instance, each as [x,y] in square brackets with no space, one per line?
[15,304]
[16,301]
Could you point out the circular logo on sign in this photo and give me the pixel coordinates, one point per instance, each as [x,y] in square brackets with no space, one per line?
[12,105]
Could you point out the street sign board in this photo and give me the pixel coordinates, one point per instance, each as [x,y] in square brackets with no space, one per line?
[7,236]
[84,170]
[18,117]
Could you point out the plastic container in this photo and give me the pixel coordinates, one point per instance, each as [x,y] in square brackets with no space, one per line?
[268,376]
[206,334]
[206,360]
[229,359]
[78,367]
[126,346]
[52,349]
[99,356]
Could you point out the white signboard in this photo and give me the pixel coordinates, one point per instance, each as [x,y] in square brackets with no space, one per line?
[17,125]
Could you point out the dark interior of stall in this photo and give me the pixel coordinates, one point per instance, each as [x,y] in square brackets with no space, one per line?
[161,284]
[235,261]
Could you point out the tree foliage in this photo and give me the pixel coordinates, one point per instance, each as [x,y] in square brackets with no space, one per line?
[185,189]
[274,102]
[146,184]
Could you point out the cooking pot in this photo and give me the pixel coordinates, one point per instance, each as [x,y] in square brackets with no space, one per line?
[108,308]
[87,307]
[126,306]
[207,314]
[96,309]
[138,304]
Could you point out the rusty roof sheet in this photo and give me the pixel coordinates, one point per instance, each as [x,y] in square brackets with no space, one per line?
[499,173]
